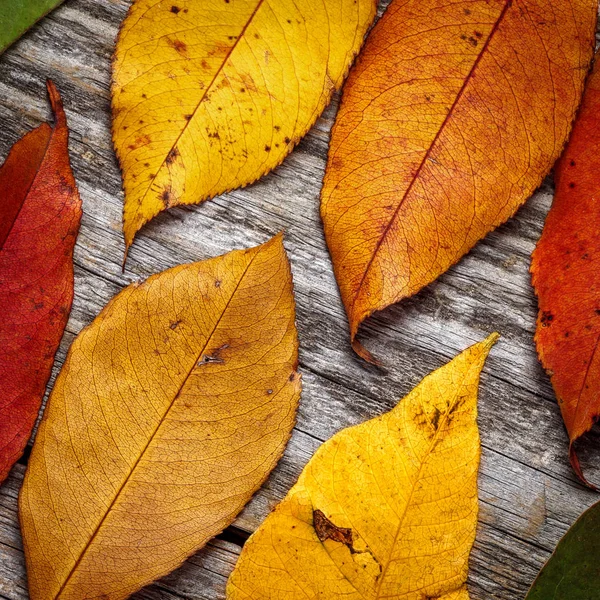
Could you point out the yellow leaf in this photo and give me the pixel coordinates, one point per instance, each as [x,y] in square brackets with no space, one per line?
[386,509]
[170,411]
[209,95]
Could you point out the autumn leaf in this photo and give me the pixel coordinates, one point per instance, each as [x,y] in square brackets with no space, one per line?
[40,211]
[452,116]
[171,409]
[17,16]
[566,276]
[210,96]
[386,509]
[571,573]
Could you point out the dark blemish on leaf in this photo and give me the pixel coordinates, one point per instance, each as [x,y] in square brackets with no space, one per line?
[287,140]
[215,357]
[256,36]
[242,90]
[187,117]
[289,21]
[292,377]
[178,46]
[276,128]
[572,184]
[172,156]
[597,311]
[214,135]
[478,35]
[326,530]
[467,11]
[217,284]
[547,318]
[572,163]
[175,10]
[175,324]
[146,164]
[435,420]
[144,96]
[267,148]
[166,196]
[38,305]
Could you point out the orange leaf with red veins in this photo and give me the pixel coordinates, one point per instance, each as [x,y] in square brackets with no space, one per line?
[451,118]
[40,211]
[566,276]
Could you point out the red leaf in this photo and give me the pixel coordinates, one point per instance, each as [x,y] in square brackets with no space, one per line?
[566,276]
[40,212]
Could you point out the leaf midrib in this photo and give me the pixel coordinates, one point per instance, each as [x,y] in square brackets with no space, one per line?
[427,154]
[151,438]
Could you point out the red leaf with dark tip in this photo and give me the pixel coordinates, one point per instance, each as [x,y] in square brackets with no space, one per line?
[40,212]
[566,276]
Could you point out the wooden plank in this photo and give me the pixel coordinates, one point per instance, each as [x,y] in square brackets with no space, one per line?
[528,493]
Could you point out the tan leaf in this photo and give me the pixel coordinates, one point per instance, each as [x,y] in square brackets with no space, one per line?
[171,409]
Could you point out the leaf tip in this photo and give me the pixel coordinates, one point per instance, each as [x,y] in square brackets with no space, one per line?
[574,460]
[56,103]
[364,353]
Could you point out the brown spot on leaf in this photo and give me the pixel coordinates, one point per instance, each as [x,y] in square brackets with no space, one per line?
[326,530]
[172,156]
[215,357]
[547,318]
[175,10]
[178,46]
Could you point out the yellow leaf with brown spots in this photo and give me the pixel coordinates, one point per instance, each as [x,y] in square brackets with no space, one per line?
[171,409]
[209,95]
[386,509]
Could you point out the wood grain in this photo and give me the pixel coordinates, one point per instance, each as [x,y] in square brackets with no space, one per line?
[529,495]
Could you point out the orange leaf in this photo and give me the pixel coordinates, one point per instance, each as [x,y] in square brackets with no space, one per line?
[451,118]
[566,276]
[40,211]
[171,409]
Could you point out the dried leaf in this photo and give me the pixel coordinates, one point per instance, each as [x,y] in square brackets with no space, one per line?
[566,276]
[208,96]
[40,211]
[451,118]
[571,573]
[386,509]
[172,408]
[17,16]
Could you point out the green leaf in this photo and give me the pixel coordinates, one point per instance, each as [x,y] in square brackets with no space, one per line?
[573,571]
[17,16]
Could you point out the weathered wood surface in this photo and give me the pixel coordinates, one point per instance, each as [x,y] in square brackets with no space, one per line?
[529,495]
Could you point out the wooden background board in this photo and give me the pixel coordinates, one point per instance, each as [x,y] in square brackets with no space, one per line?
[529,495]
